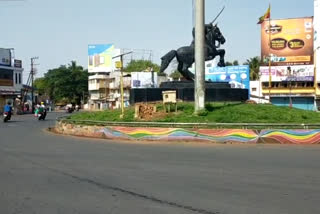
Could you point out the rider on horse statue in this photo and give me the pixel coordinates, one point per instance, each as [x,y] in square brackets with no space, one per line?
[185,55]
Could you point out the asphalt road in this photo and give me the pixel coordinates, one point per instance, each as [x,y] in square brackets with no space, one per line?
[46,173]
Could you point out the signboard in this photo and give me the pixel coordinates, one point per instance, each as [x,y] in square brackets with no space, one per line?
[5,57]
[303,73]
[17,63]
[316,26]
[236,76]
[6,77]
[291,42]
[143,80]
[100,58]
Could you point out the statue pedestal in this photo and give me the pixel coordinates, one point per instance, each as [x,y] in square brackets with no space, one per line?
[215,92]
[190,84]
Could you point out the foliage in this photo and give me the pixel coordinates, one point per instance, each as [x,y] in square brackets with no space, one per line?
[217,113]
[254,64]
[66,83]
[176,75]
[141,65]
[41,85]
[235,62]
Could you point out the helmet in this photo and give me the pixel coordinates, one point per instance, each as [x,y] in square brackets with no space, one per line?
[42,103]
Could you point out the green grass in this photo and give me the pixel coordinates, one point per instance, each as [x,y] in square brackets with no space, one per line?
[215,113]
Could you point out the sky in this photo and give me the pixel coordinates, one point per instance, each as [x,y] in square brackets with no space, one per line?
[58,31]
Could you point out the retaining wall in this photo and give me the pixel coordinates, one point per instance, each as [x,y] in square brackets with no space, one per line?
[183,134]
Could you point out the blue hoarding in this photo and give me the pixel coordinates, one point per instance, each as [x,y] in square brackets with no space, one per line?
[236,76]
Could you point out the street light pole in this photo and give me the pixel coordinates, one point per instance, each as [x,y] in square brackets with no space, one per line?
[199,89]
[32,80]
[121,81]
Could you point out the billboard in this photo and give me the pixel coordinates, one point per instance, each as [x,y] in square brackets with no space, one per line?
[291,42]
[100,58]
[17,63]
[143,79]
[6,77]
[5,57]
[236,76]
[303,73]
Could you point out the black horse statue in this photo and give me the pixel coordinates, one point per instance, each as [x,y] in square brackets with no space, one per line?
[185,55]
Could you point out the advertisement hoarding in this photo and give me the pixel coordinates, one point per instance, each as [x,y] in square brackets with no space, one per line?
[291,42]
[303,73]
[6,77]
[316,26]
[100,58]
[143,79]
[236,76]
[5,57]
[17,63]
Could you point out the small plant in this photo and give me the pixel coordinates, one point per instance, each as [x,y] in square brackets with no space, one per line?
[203,113]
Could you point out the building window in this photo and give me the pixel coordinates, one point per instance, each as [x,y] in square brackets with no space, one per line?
[254,89]
[20,80]
[16,79]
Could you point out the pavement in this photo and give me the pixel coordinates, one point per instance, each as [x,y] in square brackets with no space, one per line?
[42,173]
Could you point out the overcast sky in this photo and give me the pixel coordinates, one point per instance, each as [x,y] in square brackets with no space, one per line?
[59,31]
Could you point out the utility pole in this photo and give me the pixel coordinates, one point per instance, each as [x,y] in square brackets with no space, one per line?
[120,66]
[32,80]
[199,89]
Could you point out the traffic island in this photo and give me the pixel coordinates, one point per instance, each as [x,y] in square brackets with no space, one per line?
[219,123]
[246,136]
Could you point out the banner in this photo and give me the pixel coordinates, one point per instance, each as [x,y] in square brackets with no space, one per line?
[5,57]
[291,42]
[316,26]
[236,76]
[6,77]
[144,79]
[100,58]
[304,73]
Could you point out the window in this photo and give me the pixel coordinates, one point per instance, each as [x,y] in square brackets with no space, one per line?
[16,79]
[254,89]
[20,80]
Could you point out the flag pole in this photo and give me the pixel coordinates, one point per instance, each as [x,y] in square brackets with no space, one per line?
[269,51]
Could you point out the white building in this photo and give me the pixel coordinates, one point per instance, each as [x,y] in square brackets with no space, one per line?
[105,90]
[10,77]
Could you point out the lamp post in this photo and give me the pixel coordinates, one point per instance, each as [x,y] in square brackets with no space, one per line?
[119,65]
[199,88]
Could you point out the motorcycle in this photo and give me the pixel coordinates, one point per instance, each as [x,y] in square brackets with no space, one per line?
[6,117]
[42,115]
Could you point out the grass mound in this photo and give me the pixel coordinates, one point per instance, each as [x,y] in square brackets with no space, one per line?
[214,113]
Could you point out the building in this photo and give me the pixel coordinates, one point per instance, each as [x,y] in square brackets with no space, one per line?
[101,64]
[291,80]
[105,90]
[10,77]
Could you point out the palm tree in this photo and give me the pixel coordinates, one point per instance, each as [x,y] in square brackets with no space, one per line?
[254,65]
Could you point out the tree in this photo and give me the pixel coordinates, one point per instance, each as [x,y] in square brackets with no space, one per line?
[235,62]
[229,64]
[41,85]
[254,65]
[66,83]
[176,75]
[141,65]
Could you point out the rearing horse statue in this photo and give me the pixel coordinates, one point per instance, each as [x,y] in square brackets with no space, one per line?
[185,55]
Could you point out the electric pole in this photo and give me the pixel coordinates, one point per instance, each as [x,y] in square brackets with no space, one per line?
[32,80]
[120,66]
[199,88]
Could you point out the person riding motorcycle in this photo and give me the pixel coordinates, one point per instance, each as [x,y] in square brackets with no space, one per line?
[8,110]
[42,110]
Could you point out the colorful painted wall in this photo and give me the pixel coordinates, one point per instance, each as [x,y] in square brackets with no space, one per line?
[179,134]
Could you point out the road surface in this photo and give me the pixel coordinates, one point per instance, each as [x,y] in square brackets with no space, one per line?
[46,173]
